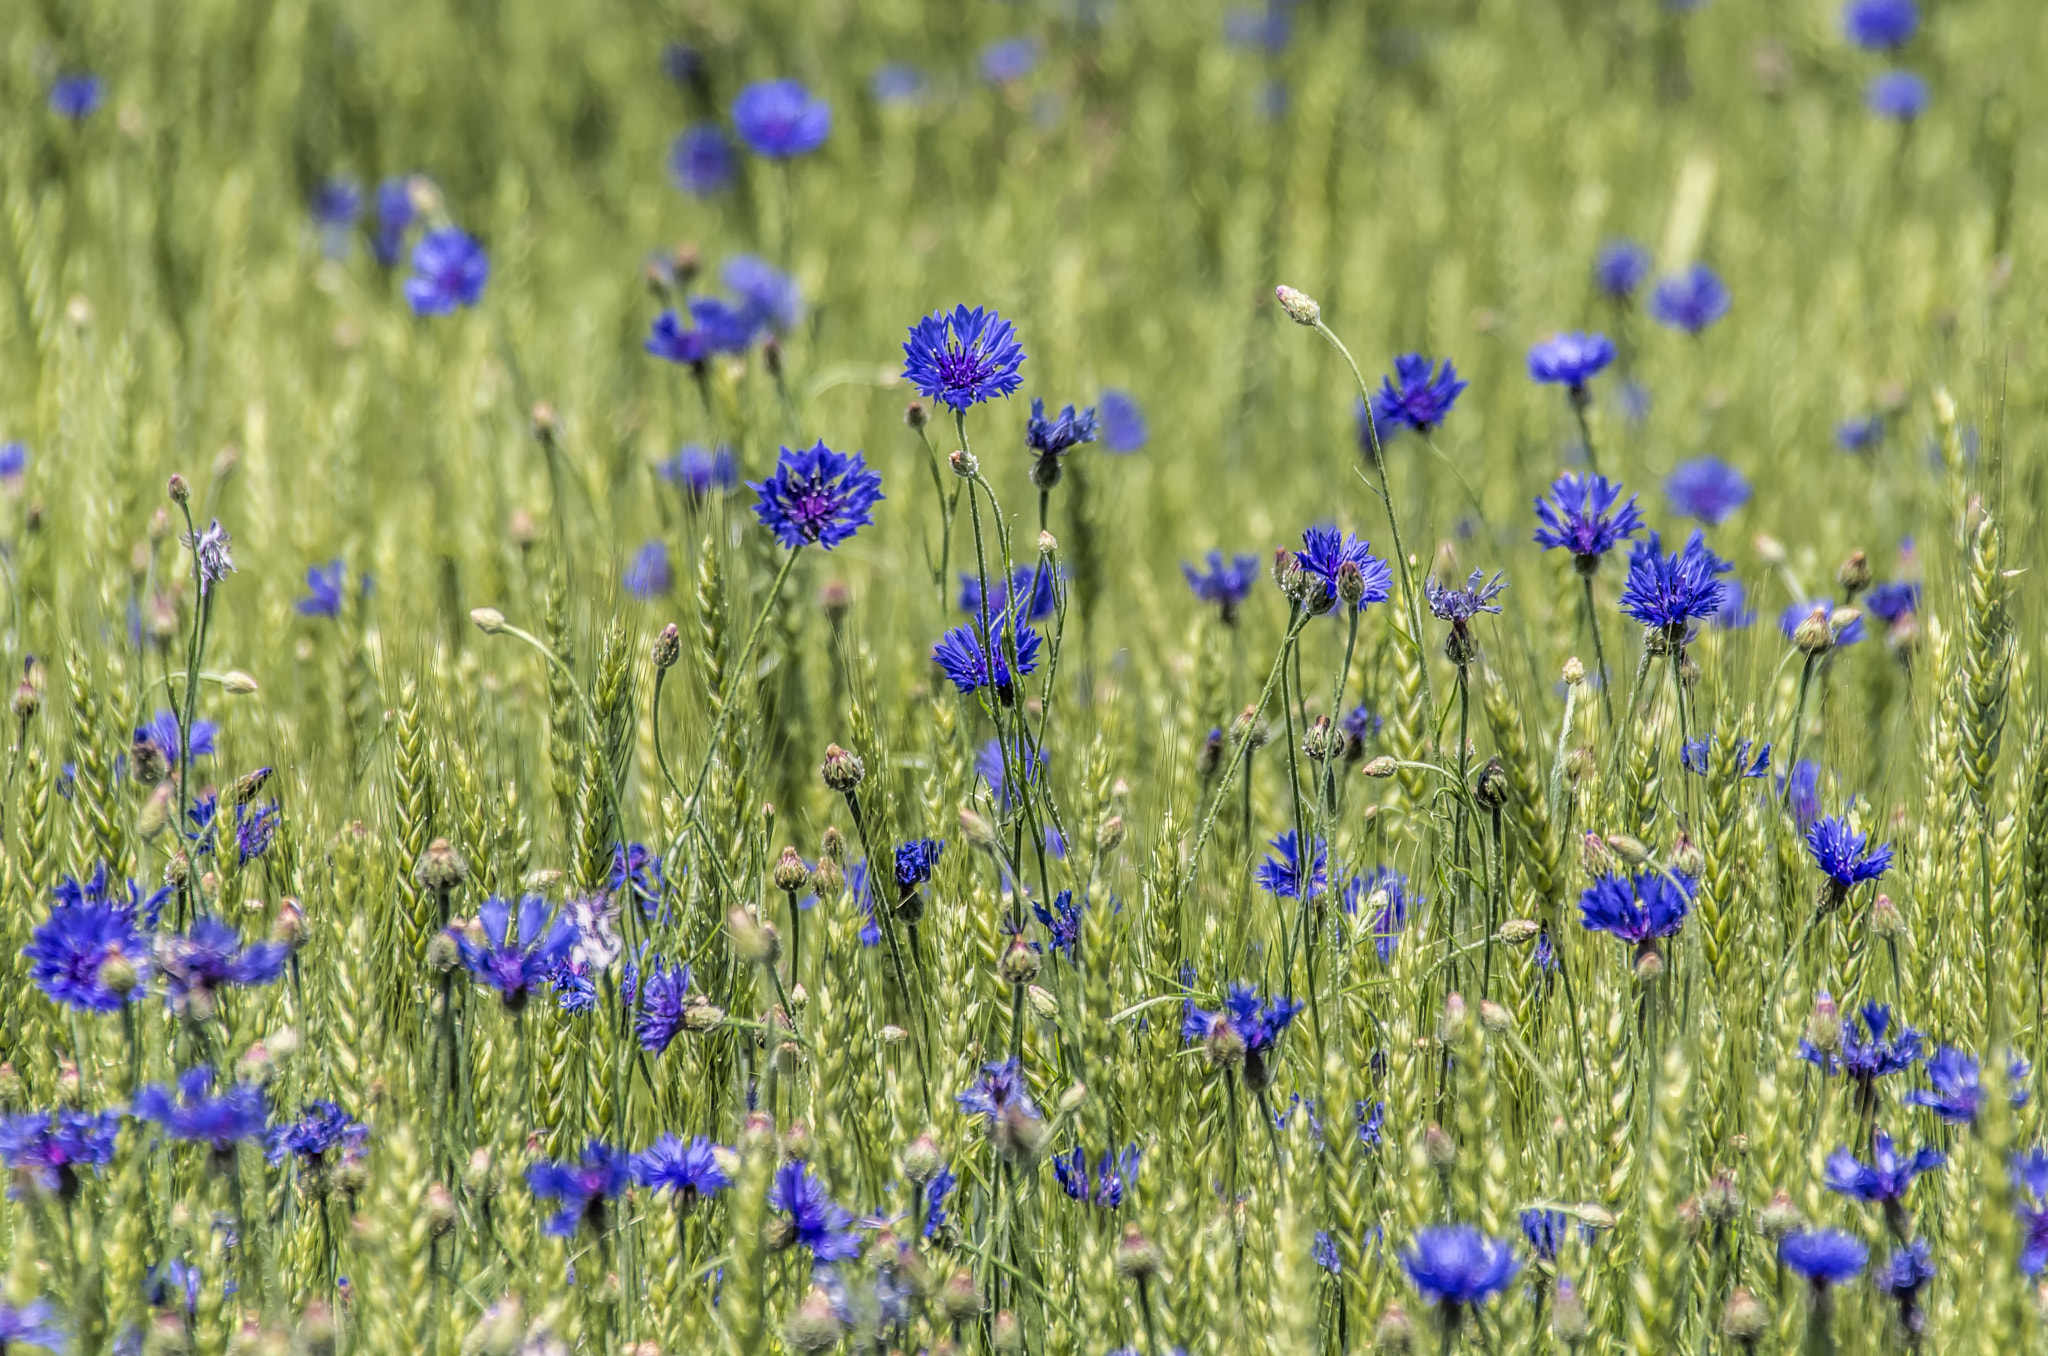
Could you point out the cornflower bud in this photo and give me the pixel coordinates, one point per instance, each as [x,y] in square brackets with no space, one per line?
[1494,1017]
[1250,724]
[959,1301]
[1019,964]
[791,875]
[1320,742]
[1350,583]
[1395,1332]
[1006,1334]
[1043,1005]
[1382,766]
[815,1326]
[1769,549]
[1137,1259]
[1778,1217]
[922,1160]
[1491,790]
[117,973]
[237,683]
[832,846]
[752,941]
[964,465]
[1574,672]
[1568,1317]
[440,1209]
[1109,834]
[1824,1028]
[442,953]
[916,415]
[1048,544]
[843,769]
[1814,637]
[1854,574]
[181,493]
[1745,1319]
[27,701]
[1301,308]
[1631,850]
[1519,931]
[1687,857]
[1438,1148]
[1722,1200]
[488,620]
[1885,920]
[441,868]
[668,647]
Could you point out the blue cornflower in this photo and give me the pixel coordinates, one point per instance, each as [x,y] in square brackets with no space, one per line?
[689,346]
[77,96]
[449,269]
[1008,60]
[1358,725]
[1243,1028]
[1639,909]
[1871,1051]
[815,1221]
[1461,605]
[1545,1230]
[1794,614]
[211,555]
[689,1172]
[34,1324]
[1390,887]
[1060,434]
[1690,301]
[857,884]
[1706,488]
[2030,1175]
[1839,851]
[1324,1250]
[255,828]
[395,214]
[1570,360]
[1824,1257]
[897,83]
[963,358]
[1327,550]
[1226,585]
[1580,517]
[1455,1265]
[197,965]
[1957,1091]
[1621,267]
[1114,1173]
[700,472]
[1880,25]
[1732,615]
[1416,394]
[13,462]
[915,861]
[1123,423]
[1667,592]
[52,1146]
[1801,790]
[156,744]
[665,1005]
[1892,600]
[700,160]
[324,590]
[195,1115]
[1899,95]
[650,575]
[68,952]
[1281,875]
[337,202]
[781,119]
[997,1093]
[515,957]
[582,1187]
[1062,923]
[1860,434]
[1372,1123]
[98,888]
[817,495]
[1693,757]
[322,1128]
[637,867]
[769,298]
[989,763]
[970,666]
[1032,585]
[1902,1277]
[682,63]
[1886,1178]
[935,1193]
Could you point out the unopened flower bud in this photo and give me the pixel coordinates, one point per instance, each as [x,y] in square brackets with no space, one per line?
[440,1209]
[1395,1332]
[1109,834]
[1769,549]
[1574,671]
[546,423]
[1519,931]
[668,647]
[181,493]
[832,846]
[1494,1017]
[959,1301]
[443,955]
[1721,1202]
[791,875]
[815,1326]
[922,1160]
[1006,1334]
[701,1015]
[1814,636]
[1491,790]
[916,415]
[441,868]
[1631,850]
[976,829]
[1350,583]
[1048,544]
[1300,307]
[1043,1005]
[1438,1148]
[1745,1319]
[1568,1317]
[488,620]
[1778,1217]
[798,1146]
[1687,857]
[843,769]
[752,941]
[1854,575]
[1251,725]
[1321,742]
[1885,920]
[118,974]
[1019,964]
[237,683]
[1824,1027]
[964,464]
[27,701]
[1382,766]
[1137,1259]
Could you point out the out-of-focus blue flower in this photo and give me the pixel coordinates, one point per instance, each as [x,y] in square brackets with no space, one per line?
[1801,791]
[817,495]
[1892,600]
[813,1219]
[1008,60]
[582,1187]
[1282,875]
[1324,1250]
[1957,1091]
[77,95]
[700,472]
[195,1115]
[636,868]
[158,739]
[53,1146]
[650,575]
[1417,394]
[781,119]
[989,763]
[1694,758]
[34,1324]
[1637,909]
[1732,615]
[970,666]
[324,590]
[1795,614]
[322,1128]
[212,956]
[515,957]
[681,63]
[1325,551]
[1667,592]
[769,298]
[1570,360]
[1839,851]
[1860,433]
[688,1171]
[1886,1178]
[1114,1173]
[1123,422]
[1580,517]
[255,828]
[13,462]
[1372,1122]
[963,357]
[337,202]
[1825,1257]
[1621,267]
[1456,1265]
[1269,27]
[449,270]
[2030,1175]
[665,1003]
[935,1193]
[1226,585]
[700,160]
[1899,95]
[897,84]
[1880,25]
[1870,1052]
[68,952]
[1706,488]
[1062,923]
[1690,301]
[1031,585]
[1902,1277]
[1245,1024]
[1390,915]
[1545,1230]
[998,1091]
[394,215]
